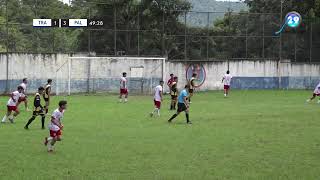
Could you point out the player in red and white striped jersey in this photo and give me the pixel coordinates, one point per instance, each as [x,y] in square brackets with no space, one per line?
[157,99]
[24,97]
[12,105]
[55,126]
[316,93]
[123,88]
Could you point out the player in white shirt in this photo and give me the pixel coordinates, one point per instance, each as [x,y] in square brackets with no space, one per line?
[123,87]
[24,97]
[157,99]
[316,92]
[55,126]
[227,82]
[12,105]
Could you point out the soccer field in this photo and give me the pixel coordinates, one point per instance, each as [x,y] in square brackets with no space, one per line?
[250,135]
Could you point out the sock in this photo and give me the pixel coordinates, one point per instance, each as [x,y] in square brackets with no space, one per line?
[158,112]
[189,99]
[120,99]
[4,118]
[49,145]
[47,111]
[187,117]
[174,116]
[30,121]
[125,100]
[42,121]
[171,106]
[174,105]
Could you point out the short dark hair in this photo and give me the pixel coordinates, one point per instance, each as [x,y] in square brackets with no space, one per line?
[171,74]
[62,103]
[24,79]
[228,72]
[194,74]
[49,81]
[124,73]
[161,81]
[20,87]
[40,88]
[187,86]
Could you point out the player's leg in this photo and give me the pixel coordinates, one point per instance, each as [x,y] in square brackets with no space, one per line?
[46,107]
[31,120]
[173,116]
[126,96]
[120,96]
[158,107]
[26,104]
[155,108]
[313,96]
[175,102]
[4,119]
[180,109]
[225,90]
[15,114]
[187,116]
[172,102]
[43,119]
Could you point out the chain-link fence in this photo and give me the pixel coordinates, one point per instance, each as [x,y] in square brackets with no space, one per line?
[137,30]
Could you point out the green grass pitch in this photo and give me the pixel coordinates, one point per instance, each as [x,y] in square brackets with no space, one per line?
[250,135]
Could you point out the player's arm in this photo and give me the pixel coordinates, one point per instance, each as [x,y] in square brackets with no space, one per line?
[12,97]
[56,122]
[161,95]
[222,79]
[185,99]
[48,91]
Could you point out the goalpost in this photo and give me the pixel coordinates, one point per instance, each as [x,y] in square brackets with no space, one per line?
[102,74]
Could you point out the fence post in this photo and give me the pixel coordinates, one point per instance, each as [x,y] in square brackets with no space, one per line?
[310,59]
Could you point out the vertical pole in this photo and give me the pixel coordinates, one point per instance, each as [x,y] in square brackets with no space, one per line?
[310,59]
[69,76]
[7,50]
[89,35]
[295,45]
[247,22]
[208,26]
[163,34]
[185,35]
[138,30]
[263,43]
[280,48]
[115,28]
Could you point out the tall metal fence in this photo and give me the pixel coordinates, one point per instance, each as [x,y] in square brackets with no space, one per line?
[176,34]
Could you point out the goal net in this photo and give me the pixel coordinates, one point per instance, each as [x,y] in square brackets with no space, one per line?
[102,74]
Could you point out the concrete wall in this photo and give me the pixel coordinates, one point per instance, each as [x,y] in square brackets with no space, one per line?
[97,75]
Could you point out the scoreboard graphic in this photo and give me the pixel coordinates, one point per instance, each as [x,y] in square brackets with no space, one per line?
[60,23]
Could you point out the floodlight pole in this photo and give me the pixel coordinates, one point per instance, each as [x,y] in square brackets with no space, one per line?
[281,14]
[7,50]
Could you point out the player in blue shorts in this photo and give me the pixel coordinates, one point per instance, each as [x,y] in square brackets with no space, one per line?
[183,104]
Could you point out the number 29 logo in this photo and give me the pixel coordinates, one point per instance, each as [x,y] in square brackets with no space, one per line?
[293,19]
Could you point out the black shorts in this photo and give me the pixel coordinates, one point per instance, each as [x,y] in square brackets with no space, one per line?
[37,113]
[181,107]
[190,90]
[174,97]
